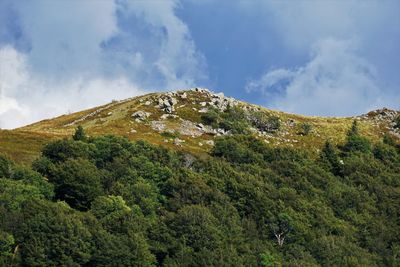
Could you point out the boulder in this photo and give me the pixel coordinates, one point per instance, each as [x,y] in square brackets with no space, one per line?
[140,115]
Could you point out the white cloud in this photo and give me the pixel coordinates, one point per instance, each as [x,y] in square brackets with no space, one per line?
[336,82]
[178,60]
[67,63]
[25,98]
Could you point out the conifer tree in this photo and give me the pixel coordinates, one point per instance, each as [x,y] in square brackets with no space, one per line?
[79,134]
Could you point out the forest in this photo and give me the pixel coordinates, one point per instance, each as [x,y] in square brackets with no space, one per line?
[107,201]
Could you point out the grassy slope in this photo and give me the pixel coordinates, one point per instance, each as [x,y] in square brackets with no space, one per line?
[23,144]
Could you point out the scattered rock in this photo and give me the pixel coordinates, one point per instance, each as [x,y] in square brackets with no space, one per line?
[168,116]
[291,123]
[140,115]
[189,128]
[167,103]
[178,142]
[158,126]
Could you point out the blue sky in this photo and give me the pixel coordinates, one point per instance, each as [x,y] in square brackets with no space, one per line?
[332,58]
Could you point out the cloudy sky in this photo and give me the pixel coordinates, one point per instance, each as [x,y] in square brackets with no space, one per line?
[322,57]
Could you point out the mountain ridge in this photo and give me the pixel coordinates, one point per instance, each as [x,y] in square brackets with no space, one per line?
[176,119]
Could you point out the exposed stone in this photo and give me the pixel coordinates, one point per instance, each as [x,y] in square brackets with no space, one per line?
[169,109]
[140,115]
[168,116]
[167,103]
[189,128]
[147,103]
[158,126]
[178,142]
[291,123]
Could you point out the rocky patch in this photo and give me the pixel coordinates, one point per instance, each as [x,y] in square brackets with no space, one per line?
[140,115]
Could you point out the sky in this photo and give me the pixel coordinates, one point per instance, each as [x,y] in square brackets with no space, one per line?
[321,57]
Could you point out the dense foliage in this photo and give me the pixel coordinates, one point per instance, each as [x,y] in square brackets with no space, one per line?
[238,121]
[105,201]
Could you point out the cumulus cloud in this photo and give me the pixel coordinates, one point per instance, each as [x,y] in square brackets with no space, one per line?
[25,97]
[60,56]
[335,81]
[179,70]
[352,63]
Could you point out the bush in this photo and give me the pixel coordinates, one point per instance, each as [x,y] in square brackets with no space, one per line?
[305,128]
[5,166]
[264,122]
[397,122]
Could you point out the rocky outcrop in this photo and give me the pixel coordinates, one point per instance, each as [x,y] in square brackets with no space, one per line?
[167,103]
[222,103]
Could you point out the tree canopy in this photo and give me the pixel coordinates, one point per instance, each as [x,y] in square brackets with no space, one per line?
[106,201]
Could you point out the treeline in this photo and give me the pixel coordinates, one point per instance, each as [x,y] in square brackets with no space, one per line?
[106,201]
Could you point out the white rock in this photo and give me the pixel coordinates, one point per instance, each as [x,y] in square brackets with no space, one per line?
[140,115]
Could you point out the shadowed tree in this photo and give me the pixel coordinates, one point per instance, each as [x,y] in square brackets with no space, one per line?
[79,134]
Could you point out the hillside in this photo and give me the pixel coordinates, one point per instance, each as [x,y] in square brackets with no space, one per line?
[183,120]
[204,180]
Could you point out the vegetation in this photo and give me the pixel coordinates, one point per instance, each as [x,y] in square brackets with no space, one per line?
[106,201]
[305,128]
[237,121]
[397,122]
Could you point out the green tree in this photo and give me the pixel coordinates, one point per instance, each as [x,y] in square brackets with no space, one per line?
[354,129]
[268,260]
[61,150]
[7,243]
[330,158]
[52,234]
[356,142]
[113,213]
[5,166]
[79,134]
[14,193]
[78,182]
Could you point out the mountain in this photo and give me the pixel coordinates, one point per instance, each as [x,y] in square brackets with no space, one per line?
[204,180]
[183,120]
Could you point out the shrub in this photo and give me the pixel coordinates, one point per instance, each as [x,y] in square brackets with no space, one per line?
[397,122]
[305,128]
[79,134]
[264,122]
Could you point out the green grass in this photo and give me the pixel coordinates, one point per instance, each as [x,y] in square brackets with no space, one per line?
[24,144]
